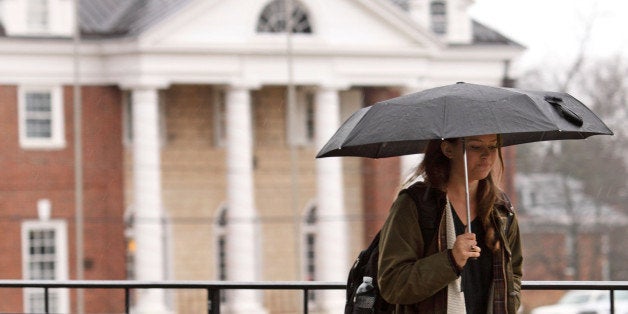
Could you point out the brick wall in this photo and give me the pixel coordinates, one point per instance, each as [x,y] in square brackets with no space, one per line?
[105,247]
[193,174]
[509,155]
[30,175]
[546,258]
[381,179]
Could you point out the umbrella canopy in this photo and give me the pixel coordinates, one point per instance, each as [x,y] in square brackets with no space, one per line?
[404,125]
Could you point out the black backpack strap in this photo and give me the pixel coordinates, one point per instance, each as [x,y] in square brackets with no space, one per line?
[429,203]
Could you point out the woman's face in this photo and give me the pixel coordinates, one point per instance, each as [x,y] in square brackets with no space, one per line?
[481,155]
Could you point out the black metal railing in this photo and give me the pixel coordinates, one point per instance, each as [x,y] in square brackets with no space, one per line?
[213,288]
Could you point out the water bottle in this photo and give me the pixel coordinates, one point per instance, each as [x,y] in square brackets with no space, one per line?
[364,300]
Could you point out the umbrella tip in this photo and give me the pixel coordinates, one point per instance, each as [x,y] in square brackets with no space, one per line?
[460,82]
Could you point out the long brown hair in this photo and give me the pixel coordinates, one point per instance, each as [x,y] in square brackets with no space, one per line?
[435,170]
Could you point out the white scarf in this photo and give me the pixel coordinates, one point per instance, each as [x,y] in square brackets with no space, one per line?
[455,296]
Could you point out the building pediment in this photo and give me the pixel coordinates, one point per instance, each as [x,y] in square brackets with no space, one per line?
[345,43]
[336,26]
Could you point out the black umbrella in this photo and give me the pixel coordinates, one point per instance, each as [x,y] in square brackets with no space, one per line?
[404,125]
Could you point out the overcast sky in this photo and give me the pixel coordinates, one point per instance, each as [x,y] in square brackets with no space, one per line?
[552,29]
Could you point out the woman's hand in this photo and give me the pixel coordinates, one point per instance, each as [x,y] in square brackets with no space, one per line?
[465,247]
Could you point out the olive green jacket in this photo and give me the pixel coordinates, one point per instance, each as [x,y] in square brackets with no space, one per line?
[416,279]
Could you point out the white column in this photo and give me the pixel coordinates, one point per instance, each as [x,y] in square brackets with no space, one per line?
[149,257]
[331,245]
[242,235]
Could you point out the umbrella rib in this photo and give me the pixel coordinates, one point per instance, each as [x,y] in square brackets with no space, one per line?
[379,149]
[499,122]
[352,133]
[444,119]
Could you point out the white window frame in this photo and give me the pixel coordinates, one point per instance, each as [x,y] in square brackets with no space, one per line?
[309,229]
[439,18]
[60,295]
[303,131]
[57,124]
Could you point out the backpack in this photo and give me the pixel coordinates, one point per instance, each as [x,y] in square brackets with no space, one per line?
[366,262]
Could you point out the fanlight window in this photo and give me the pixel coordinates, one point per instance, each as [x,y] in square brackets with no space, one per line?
[273,18]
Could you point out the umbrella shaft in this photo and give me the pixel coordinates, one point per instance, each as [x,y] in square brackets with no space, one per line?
[466,183]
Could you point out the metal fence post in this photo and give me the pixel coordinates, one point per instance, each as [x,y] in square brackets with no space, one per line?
[46,303]
[213,301]
[127,301]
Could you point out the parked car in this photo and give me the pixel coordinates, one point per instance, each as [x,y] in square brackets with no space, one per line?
[603,306]
[586,302]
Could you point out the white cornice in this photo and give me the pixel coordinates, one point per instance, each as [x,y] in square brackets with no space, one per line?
[49,47]
[129,64]
[481,52]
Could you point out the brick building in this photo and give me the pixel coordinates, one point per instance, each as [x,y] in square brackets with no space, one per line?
[38,199]
[201,121]
[567,234]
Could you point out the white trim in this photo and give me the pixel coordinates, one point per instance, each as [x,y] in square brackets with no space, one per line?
[61,260]
[126,64]
[57,136]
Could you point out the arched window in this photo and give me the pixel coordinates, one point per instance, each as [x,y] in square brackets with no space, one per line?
[273,18]
[438,13]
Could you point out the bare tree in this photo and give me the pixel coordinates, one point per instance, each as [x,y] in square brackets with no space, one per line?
[601,163]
